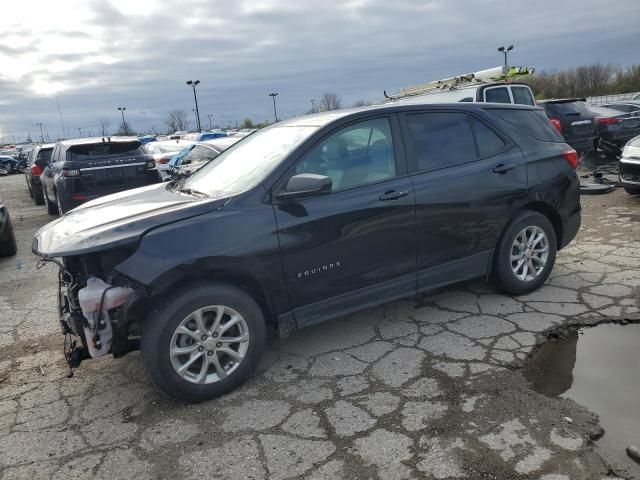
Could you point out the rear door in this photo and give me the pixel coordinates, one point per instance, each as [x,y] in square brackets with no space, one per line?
[468,179]
[355,246]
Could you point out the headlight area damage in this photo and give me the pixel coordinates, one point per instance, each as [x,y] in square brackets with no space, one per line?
[100,311]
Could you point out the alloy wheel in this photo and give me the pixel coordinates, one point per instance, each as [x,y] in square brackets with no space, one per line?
[529,253]
[209,344]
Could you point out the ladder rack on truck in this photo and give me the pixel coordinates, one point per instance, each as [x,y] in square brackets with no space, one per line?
[496,74]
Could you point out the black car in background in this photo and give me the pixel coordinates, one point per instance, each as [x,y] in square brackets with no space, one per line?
[615,128]
[630,167]
[39,155]
[575,122]
[7,238]
[628,106]
[310,219]
[87,168]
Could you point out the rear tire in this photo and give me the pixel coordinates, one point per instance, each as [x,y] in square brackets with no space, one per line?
[39,198]
[521,264]
[632,190]
[162,335]
[8,246]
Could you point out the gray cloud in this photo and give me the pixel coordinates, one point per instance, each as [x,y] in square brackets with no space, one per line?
[242,50]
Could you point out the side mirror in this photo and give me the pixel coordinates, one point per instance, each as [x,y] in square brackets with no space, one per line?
[306,185]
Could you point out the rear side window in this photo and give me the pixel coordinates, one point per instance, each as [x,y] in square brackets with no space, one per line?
[497,95]
[534,123]
[45,154]
[441,139]
[489,143]
[106,149]
[522,95]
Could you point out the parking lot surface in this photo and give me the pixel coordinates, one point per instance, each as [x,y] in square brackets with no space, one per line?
[429,387]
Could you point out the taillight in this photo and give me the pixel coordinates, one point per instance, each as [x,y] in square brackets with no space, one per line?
[150,164]
[36,171]
[607,120]
[557,124]
[70,173]
[571,156]
[164,159]
[79,197]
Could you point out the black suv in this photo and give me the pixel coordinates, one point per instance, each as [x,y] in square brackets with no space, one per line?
[309,219]
[87,168]
[574,120]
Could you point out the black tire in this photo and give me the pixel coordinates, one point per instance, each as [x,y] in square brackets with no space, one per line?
[8,246]
[165,318]
[31,194]
[502,274]
[632,190]
[39,198]
[52,208]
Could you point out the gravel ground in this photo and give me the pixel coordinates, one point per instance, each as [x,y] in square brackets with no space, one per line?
[429,387]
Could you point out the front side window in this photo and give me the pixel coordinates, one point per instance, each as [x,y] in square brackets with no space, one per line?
[441,139]
[497,95]
[522,96]
[356,155]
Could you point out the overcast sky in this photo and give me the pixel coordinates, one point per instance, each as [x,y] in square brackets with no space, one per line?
[96,55]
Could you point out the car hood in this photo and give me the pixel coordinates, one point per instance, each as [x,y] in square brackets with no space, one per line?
[118,219]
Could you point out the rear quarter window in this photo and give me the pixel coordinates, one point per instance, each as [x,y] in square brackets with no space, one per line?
[114,149]
[534,123]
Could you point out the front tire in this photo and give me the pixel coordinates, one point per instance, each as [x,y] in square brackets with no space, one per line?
[52,208]
[8,246]
[203,342]
[525,254]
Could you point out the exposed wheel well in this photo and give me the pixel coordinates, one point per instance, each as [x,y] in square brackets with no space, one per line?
[243,282]
[549,212]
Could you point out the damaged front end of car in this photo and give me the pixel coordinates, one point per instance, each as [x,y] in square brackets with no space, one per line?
[100,311]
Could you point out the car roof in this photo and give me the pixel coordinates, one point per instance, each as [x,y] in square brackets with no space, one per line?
[92,140]
[45,145]
[324,118]
[221,141]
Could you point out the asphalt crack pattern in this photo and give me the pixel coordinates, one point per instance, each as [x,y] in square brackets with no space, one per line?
[428,387]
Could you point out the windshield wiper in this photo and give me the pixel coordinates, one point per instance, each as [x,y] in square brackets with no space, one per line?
[191,191]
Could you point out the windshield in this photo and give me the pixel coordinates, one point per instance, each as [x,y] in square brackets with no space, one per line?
[248,162]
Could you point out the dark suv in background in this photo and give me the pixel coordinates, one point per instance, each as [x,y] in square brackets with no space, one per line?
[87,168]
[309,219]
[38,156]
[575,122]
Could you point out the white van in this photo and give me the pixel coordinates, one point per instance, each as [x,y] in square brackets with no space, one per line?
[491,85]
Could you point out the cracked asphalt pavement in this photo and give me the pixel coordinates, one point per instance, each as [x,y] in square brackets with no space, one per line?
[430,387]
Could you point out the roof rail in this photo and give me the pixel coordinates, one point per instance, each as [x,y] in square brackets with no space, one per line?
[496,74]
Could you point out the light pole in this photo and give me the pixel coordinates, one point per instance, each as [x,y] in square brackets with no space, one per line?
[124,124]
[79,132]
[505,51]
[275,112]
[41,134]
[193,84]
[313,105]
[210,117]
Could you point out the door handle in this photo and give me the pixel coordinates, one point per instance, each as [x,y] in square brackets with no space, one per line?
[504,168]
[393,195]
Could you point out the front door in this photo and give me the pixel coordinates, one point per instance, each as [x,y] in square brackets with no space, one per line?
[355,246]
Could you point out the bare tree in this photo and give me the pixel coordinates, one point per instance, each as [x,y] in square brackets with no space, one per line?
[330,101]
[104,126]
[361,103]
[125,129]
[177,120]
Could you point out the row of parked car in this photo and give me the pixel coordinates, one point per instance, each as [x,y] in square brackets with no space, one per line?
[68,173]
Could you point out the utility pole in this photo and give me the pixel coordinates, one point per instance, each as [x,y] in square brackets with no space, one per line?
[193,84]
[275,112]
[125,130]
[79,132]
[41,134]
[313,105]
[210,117]
[505,51]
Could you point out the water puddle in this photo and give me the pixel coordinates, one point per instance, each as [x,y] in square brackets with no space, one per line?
[598,367]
